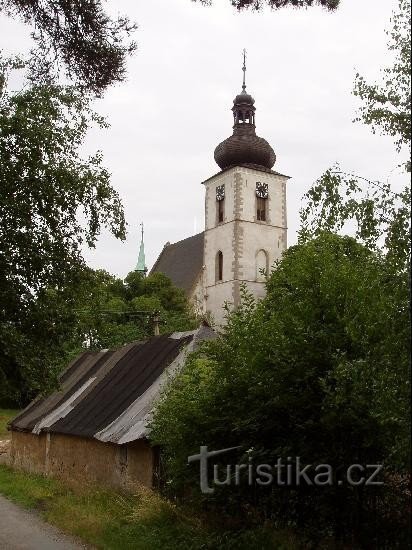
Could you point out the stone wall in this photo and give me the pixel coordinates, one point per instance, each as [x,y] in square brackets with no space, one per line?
[81,460]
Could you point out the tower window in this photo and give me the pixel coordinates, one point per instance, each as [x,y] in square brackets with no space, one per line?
[219,266]
[220,200]
[262,265]
[220,210]
[261,209]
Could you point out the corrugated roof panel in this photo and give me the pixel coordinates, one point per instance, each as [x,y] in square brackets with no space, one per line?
[19,419]
[29,418]
[63,409]
[132,422]
[110,395]
[127,380]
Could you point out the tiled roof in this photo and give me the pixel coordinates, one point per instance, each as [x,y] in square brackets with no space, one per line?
[182,262]
[109,395]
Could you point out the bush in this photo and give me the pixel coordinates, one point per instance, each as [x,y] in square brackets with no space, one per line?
[316,370]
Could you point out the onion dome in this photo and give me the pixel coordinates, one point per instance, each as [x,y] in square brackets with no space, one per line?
[243,99]
[244,146]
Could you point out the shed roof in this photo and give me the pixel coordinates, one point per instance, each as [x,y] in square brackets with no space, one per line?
[182,261]
[109,395]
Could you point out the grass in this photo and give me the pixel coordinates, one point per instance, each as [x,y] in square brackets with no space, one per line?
[110,520]
[143,521]
[5,416]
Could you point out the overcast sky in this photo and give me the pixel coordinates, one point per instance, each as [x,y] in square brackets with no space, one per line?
[174,108]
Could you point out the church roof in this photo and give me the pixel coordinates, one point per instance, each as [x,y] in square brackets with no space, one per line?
[182,262]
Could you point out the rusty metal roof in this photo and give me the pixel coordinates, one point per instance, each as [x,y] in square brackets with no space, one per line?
[109,395]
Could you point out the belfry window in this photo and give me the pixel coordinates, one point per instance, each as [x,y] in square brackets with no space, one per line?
[262,196]
[244,116]
[220,211]
[220,203]
[219,266]
[261,209]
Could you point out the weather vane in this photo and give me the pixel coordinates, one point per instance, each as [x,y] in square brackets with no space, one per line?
[244,71]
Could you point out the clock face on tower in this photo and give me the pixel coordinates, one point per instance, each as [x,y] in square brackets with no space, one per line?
[220,192]
[262,190]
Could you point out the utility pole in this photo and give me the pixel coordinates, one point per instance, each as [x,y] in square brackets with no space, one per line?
[156,323]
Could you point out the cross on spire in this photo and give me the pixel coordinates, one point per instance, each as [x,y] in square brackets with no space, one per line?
[244,71]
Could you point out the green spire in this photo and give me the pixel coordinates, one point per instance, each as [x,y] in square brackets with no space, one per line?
[141,262]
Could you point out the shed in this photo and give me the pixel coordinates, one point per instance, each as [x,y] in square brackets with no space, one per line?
[95,427]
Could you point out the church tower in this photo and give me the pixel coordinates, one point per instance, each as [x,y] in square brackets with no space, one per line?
[245,213]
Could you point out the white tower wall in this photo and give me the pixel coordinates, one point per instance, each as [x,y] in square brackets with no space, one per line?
[244,241]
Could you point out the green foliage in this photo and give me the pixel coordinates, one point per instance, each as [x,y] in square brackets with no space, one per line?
[378,217]
[77,37]
[111,312]
[318,369]
[46,188]
[53,202]
[387,106]
[110,520]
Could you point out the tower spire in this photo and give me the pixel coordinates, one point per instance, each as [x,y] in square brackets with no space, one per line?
[141,262]
[244,146]
[244,72]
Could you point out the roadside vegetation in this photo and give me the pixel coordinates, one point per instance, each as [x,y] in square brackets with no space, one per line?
[110,520]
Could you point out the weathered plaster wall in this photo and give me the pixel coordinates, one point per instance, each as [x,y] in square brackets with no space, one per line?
[140,464]
[196,296]
[82,460]
[28,452]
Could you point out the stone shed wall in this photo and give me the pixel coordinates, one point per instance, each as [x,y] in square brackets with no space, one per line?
[78,459]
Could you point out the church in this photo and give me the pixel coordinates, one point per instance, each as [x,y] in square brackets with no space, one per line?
[245,222]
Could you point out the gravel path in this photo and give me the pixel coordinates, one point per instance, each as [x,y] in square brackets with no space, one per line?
[23,530]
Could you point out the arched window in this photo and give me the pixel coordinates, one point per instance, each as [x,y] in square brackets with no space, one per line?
[262,265]
[219,266]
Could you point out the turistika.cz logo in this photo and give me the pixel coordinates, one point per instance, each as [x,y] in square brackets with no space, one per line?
[289,472]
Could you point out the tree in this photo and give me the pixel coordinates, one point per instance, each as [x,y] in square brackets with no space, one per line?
[379,217]
[317,370]
[276,4]
[79,36]
[45,187]
[387,106]
[111,312]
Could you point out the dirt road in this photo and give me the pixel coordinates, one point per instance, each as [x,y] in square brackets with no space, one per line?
[23,530]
